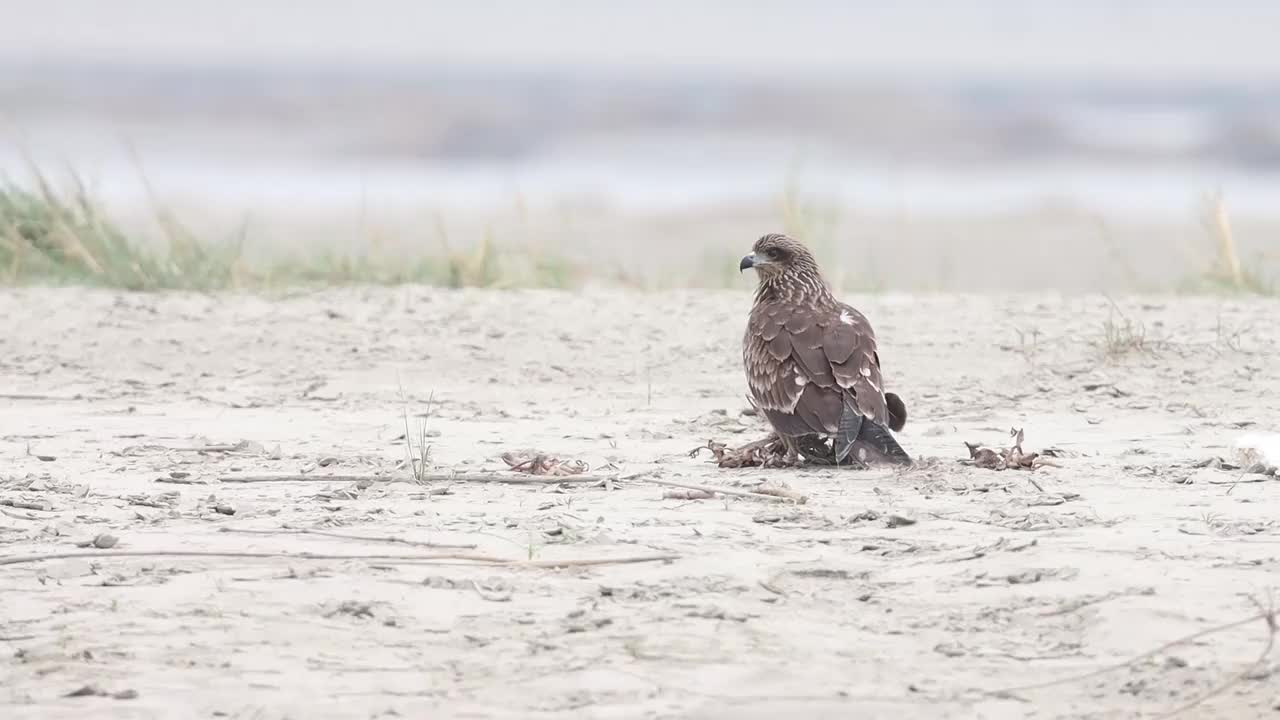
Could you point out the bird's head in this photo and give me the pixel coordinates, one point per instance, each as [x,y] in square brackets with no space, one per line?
[775,255]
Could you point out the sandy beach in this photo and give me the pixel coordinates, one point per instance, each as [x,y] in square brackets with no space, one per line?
[944,590]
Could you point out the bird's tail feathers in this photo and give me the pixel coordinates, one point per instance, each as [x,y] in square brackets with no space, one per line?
[880,446]
[851,422]
[861,439]
[897,412]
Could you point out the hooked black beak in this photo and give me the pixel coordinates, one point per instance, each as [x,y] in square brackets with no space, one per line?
[748,261]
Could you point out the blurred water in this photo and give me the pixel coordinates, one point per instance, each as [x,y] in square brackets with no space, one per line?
[648,185]
[979,106]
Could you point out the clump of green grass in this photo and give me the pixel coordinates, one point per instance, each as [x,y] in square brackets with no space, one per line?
[417,459]
[65,237]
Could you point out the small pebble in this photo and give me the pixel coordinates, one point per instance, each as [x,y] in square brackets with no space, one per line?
[895,521]
[85,691]
[105,541]
[224,509]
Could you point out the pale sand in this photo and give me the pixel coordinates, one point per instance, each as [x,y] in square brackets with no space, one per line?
[821,610]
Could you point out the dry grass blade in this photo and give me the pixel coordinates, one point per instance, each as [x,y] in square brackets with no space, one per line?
[1122,335]
[417,461]
[1226,270]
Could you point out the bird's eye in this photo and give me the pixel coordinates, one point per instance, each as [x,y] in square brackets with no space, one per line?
[772,253]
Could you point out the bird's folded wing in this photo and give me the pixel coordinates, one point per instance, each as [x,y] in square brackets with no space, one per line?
[800,359]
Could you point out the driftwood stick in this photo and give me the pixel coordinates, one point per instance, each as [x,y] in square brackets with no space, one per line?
[518,479]
[457,558]
[727,491]
[438,477]
[588,562]
[304,478]
[343,536]
[22,559]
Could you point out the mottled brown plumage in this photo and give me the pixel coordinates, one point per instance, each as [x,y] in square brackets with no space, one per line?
[811,360]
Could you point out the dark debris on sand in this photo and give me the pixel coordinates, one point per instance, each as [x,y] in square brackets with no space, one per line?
[542,464]
[769,451]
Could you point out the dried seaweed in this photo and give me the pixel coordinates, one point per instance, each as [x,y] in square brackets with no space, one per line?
[769,451]
[542,464]
[1010,458]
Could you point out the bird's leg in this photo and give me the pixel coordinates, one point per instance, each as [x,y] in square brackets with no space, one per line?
[814,449]
[793,450]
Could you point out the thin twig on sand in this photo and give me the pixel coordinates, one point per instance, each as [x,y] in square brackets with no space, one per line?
[360,538]
[768,495]
[589,562]
[304,478]
[450,558]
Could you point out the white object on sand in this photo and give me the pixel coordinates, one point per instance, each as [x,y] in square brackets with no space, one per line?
[1256,448]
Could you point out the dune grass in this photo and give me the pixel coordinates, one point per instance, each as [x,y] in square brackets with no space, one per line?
[61,235]
[48,236]
[1224,269]
[54,236]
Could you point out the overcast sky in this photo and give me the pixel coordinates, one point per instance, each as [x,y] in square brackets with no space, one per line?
[1143,39]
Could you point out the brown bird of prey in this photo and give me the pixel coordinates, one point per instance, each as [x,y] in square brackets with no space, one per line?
[811,361]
